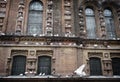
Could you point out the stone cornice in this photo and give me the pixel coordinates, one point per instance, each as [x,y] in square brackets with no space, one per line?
[52,39]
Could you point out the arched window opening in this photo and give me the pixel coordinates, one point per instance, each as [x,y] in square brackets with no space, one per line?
[35,18]
[44,65]
[90,23]
[109,21]
[95,66]
[18,65]
[116,66]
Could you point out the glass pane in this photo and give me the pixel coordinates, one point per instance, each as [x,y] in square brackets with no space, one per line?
[44,65]
[116,66]
[19,64]
[36,6]
[35,18]
[109,24]
[89,11]
[107,12]
[95,66]
[90,23]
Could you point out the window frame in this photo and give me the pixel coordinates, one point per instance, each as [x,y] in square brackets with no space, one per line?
[39,26]
[91,34]
[110,25]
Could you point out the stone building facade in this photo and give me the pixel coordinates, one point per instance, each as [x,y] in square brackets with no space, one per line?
[58,36]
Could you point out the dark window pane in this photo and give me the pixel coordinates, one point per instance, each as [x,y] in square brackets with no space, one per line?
[44,65]
[95,66]
[116,66]
[18,65]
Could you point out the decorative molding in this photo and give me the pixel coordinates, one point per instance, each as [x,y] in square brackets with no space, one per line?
[102,23]
[116,54]
[20,17]
[82,31]
[50,40]
[49,19]
[67,14]
[95,54]
[19,52]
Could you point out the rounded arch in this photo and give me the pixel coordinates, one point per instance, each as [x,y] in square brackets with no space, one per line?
[18,55]
[47,55]
[85,3]
[33,4]
[95,55]
[90,6]
[110,7]
[108,10]
[19,52]
[89,11]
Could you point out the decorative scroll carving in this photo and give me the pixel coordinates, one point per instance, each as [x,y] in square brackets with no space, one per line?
[31,64]
[3,3]
[49,21]
[118,12]
[67,17]
[102,23]
[107,65]
[95,54]
[2,14]
[32,53]
[20,17]
[81,23]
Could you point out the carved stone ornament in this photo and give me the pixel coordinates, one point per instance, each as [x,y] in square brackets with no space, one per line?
[17,40]
[32,53]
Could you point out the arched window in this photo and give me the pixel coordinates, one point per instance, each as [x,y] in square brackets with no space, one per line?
[35,18]
[95,66]
[110,28]
[44,65]
[116,66]
[18,65]
[90,23]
